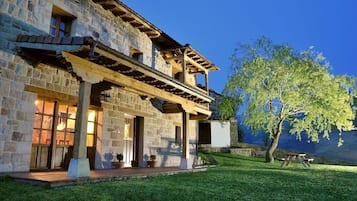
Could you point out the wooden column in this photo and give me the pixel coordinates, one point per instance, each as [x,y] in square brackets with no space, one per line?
[206,82]
[54,143]
[185,163]
[79,164]
[184,72]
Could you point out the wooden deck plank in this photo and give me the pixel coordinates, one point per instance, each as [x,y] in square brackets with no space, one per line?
[55,179]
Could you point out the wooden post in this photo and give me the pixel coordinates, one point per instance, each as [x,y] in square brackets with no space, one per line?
[79,164]
[185,157]
[184,72]
[206,82]
[54,143]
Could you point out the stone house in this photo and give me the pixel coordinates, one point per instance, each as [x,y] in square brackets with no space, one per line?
[83,80]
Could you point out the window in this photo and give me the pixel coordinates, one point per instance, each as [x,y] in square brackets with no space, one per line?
[61,22]
[178,134]
[136,54]
[43,125]
[60,26]
[65,126]
[61,124]
[129,128]
[204,133]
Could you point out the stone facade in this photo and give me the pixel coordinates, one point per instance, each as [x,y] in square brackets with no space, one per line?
[17,108]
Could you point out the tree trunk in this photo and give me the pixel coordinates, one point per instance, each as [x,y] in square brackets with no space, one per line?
[269,158]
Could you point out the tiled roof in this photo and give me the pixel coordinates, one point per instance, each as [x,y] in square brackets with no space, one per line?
[71,40]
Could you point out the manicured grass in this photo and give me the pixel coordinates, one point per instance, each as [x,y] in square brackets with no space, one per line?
[234,178]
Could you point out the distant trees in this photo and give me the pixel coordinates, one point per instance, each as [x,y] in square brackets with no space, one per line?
[278,87]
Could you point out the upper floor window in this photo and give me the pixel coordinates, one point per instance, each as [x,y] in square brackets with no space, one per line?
[61,22]
[60,26]
[136,54]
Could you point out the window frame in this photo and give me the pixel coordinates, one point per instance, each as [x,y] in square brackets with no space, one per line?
[60,22]
[136,55]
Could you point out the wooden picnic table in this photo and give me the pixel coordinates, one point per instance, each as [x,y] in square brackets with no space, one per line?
[306,162]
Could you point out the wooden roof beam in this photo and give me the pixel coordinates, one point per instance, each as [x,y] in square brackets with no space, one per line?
[127,82]
[136,67]
[128,15]
[197,65]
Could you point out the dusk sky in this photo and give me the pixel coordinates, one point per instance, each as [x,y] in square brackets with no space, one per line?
[215,28]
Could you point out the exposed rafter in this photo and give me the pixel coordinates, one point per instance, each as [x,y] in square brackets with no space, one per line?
[116,69]
[128,15]
[194,60]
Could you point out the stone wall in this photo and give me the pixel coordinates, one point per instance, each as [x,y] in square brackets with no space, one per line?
[214,106]
[33,17]
[17,105]
[159,128]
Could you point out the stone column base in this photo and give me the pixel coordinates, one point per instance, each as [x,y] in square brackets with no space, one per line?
[185,164]
[79,167]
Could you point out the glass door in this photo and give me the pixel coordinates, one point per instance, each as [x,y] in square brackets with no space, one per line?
[64,135]
[128,140]
[53,134]
[42,134]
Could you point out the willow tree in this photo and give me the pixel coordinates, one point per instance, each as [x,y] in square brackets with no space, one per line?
[283,88]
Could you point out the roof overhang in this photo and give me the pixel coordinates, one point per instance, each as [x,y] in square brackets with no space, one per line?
[116,68]
[119,9]
[195,62]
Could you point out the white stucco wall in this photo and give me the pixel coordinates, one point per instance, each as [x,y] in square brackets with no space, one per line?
[220,134]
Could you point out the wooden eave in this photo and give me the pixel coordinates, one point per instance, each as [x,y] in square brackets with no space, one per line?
[195,62]
[116,68]
[128,15]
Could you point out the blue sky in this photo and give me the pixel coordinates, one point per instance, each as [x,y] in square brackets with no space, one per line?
[215,28]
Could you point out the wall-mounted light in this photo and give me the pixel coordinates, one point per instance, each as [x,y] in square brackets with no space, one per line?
[105,97]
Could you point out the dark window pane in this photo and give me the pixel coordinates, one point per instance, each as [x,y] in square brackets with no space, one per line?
[60,33]
[53,21]
[62,25]
[53,31]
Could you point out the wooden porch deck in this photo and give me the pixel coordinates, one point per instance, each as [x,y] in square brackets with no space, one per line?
[59,178]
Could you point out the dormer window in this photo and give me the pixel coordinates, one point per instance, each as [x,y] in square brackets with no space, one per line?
[136,54]
[61,22]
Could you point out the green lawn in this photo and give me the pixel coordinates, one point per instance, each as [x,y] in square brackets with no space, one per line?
[234,178]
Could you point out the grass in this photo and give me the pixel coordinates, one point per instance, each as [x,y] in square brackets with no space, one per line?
[234,178]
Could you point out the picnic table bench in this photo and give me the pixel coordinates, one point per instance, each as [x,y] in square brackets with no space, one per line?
[306,162]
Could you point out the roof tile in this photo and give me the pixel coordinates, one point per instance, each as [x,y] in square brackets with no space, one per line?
[56,40]
[66,40]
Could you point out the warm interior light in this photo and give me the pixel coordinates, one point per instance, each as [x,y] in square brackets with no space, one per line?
[126,130]
[36,102]
[61,126]
[91,115]
[91,118]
